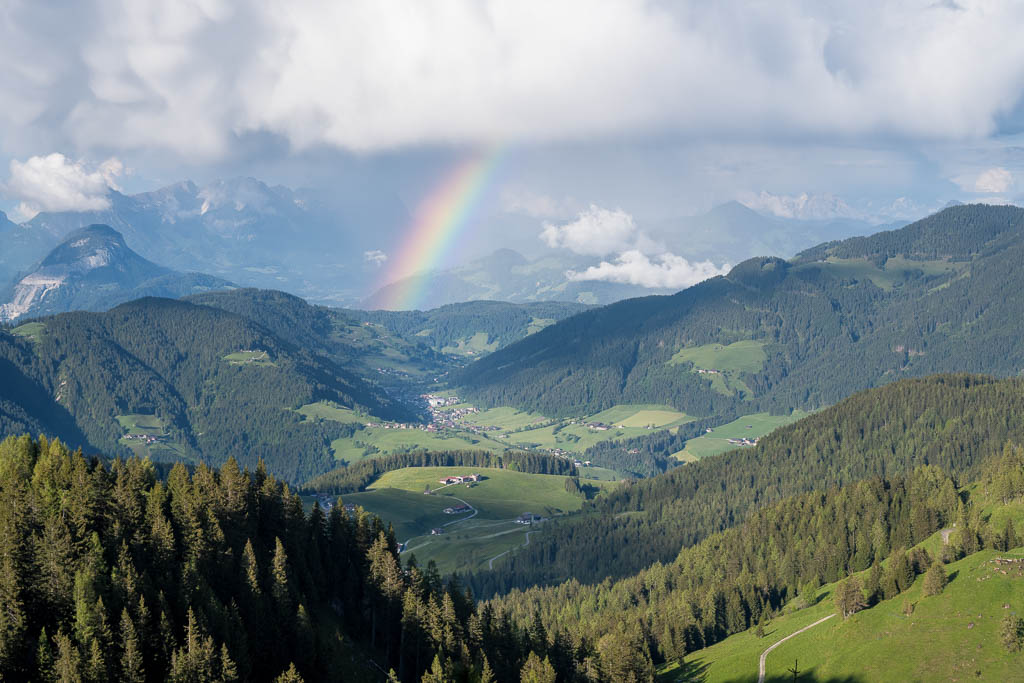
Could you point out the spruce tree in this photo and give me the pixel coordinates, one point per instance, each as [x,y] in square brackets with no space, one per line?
[934,579]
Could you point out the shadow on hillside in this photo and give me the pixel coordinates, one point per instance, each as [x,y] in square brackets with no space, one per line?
[804,677]
[690,672]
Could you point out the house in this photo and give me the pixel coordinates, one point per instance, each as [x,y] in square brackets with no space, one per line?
[472,477]
[527,518]
[586,463]
[447,480]
[457,509]
[597,426]
[436,531]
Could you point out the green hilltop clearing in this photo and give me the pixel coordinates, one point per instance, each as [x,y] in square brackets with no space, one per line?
[747,427]
[33,331]
[470,540]
[249,358]
[147,437]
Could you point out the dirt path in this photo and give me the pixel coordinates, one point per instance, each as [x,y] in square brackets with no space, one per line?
[764,655]
[490,563]
[405,545]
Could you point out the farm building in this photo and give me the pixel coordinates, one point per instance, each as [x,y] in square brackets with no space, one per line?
[436,531]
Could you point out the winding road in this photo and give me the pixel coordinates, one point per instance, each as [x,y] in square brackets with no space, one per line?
[760,664]
[490,563]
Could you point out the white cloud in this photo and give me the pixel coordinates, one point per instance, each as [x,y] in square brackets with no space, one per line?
[193,76]
[55,183]
[994,181]
[375,256]
[595,232]
[665,271]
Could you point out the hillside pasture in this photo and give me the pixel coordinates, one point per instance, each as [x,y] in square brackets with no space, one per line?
[33,331]
[742,356]
[641,415]
[505,418]
[249,358]
[469,541]
[749,426]
[327,410]
[950,636]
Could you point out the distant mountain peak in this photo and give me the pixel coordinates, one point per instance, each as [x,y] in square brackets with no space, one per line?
[92,269]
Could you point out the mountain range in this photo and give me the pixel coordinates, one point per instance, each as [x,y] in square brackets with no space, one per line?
[312,244]
[94,270]
[776,335]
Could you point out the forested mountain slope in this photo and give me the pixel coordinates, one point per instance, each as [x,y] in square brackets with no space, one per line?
[501,323]
[951,421]
[221,384]
[778,335]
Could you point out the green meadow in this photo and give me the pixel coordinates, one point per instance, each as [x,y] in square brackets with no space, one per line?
[327,410]
[950,636]
[33,331]
[249,358]
[469,541]
[749,426]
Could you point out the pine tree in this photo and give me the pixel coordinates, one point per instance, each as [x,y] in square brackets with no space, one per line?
[228,669]
[438,672]
[289,676]
[536,670]
[132,667]
[486,674]
[934,579]
[68,668]
[849,597]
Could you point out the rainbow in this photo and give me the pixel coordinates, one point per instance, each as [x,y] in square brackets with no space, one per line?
[439,219]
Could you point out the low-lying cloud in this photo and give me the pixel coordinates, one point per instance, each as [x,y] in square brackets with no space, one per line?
[595,232]
[994,181]
[638,261]
[664,271]
[55,183]
[375,256]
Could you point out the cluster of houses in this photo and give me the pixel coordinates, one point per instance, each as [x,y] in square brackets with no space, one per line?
[147,438]
[440,401]
[743,442]
[457,509]
[529,518]
[581,463]
[598,427]
[460,479]
[705,371]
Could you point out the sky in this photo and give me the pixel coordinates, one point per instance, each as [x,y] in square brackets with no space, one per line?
[628,112]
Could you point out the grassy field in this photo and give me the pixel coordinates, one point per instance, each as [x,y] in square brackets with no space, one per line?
[135,424]
[895,271]
[477,344]
[574,438]
[326,410]
[538,324]
[641,416]
[471,541]
[505,418]
[749,426]
[33,331]
[503,494]
[249,358]
[599,474]
[728,360]
[951,636]
[741,356]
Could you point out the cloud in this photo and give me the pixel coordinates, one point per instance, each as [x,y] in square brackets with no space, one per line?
[55,183]
[665,271]
[197,76]
[375,256]
[994,181]
[595,232]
